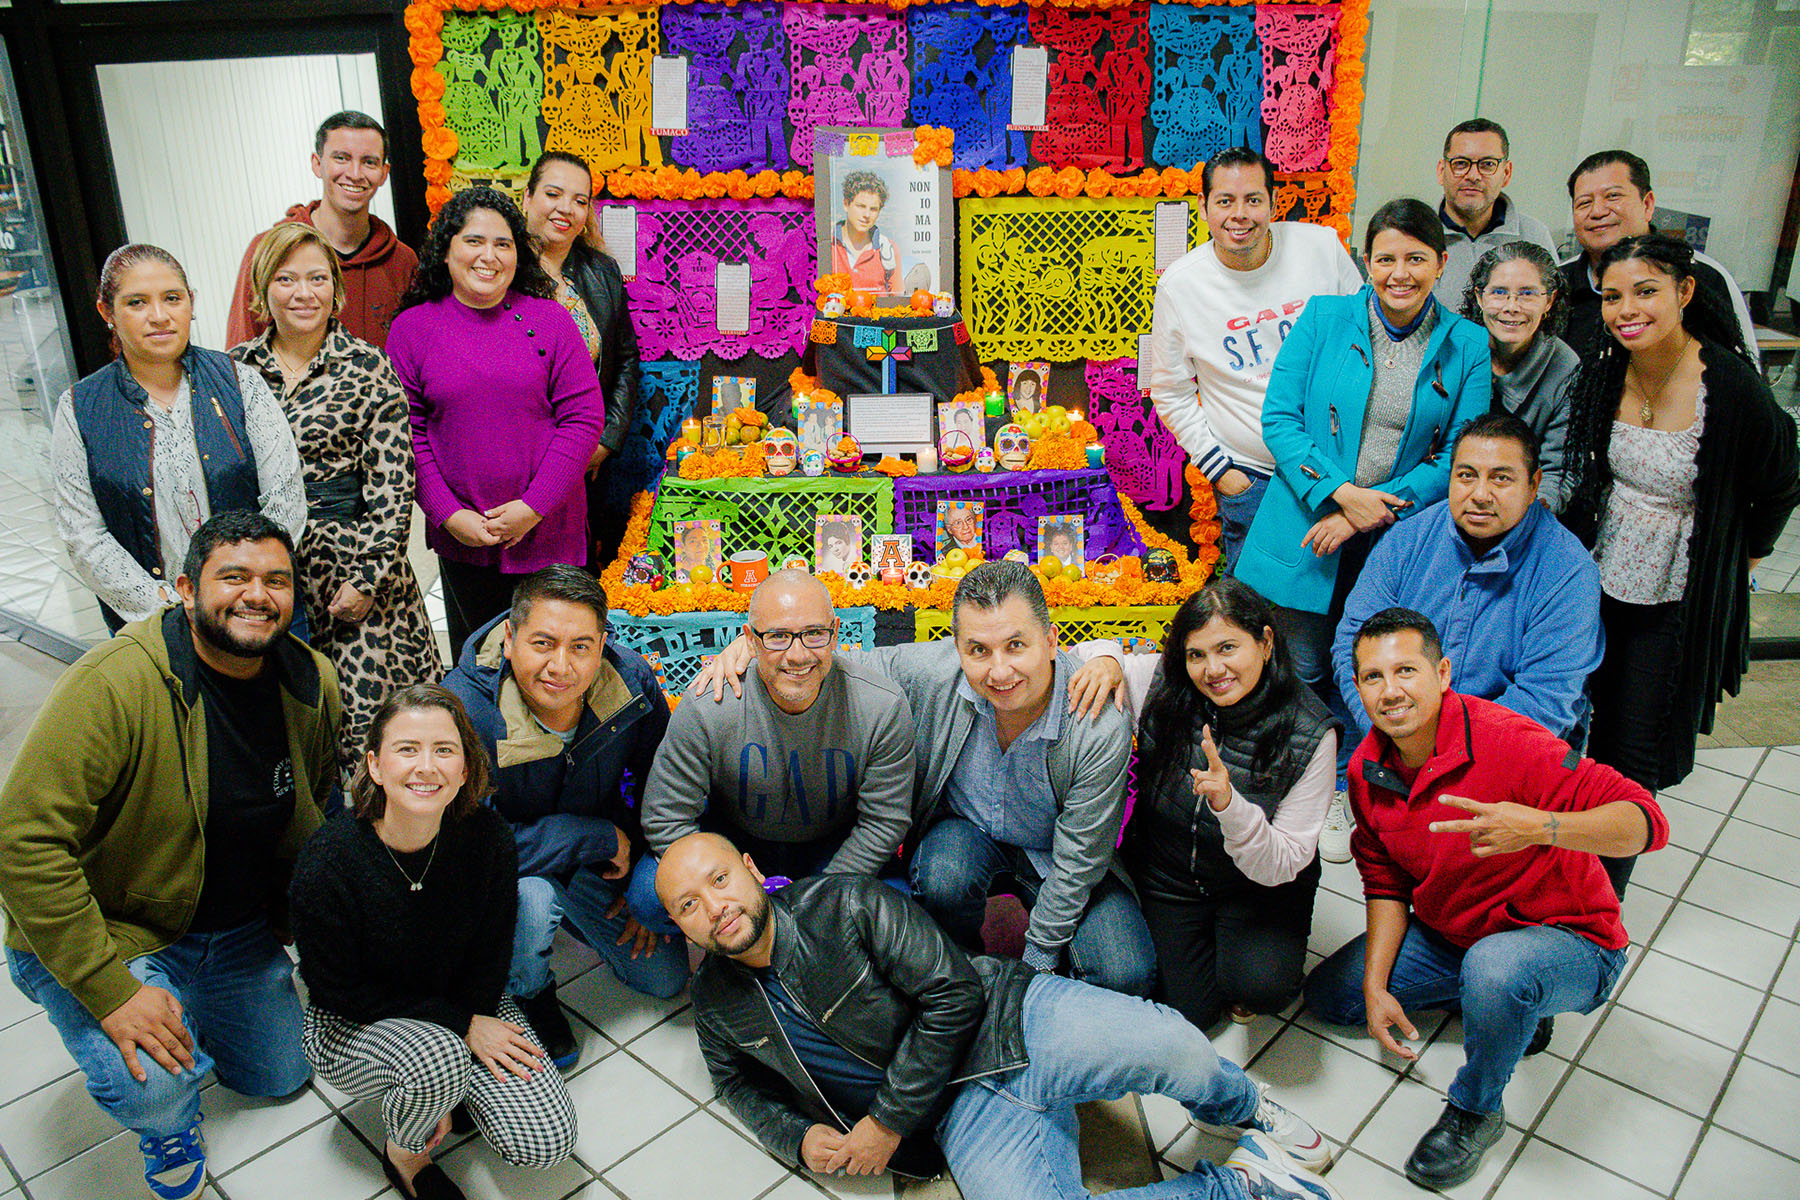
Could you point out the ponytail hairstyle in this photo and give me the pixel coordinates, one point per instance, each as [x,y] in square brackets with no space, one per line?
[1595,398]
[132,254]
[1175,709]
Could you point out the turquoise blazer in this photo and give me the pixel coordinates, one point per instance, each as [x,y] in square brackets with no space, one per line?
[1312,424]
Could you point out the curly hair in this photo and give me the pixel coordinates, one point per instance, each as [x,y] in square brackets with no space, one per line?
[1556,317]
[1595,399]
[858,182]
[432,280]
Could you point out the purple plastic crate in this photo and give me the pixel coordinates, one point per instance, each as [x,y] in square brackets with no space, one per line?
[1014,501]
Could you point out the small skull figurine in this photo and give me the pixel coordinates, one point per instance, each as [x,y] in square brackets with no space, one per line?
[943,304]
[918,574]
[645,570]
[1159,567]
[858,574]
[812,463]
[1016,555]
[1012,447]
[984,460]
[780,451]
[834,305]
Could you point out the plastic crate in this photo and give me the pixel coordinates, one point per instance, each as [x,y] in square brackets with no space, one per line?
[679,644]
[1013,501]
[775,515]
[1145,622]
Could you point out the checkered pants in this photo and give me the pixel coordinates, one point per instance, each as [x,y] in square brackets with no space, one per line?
[422,1070]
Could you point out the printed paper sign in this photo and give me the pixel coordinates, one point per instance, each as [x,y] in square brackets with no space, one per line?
[668,95]
[1030,83]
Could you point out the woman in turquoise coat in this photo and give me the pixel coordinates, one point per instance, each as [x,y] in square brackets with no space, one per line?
[1364,401]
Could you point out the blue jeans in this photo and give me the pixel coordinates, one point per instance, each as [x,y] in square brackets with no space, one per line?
[1309,636]
[1236,513]
[954,870]
[582,903]
[1504,984]
[1014,1136]
[236,989]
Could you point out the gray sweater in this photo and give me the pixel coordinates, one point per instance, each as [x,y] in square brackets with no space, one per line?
[1537,391]
[843,768]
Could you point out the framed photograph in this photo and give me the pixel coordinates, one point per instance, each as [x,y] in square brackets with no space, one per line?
[892,552]
[1026,383]
[837,542]
[699,544]
[963,416]
[1065,539]
[961,525]
[818,423]
[730,391]
[883,219]
[897,424]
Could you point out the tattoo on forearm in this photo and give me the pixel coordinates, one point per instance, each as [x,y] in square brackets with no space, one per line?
[1551,828]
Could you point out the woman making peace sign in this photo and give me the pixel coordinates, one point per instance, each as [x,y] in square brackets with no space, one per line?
[1236,762]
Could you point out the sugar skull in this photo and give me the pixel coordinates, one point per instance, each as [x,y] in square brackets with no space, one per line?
[1016,555]
[918,574]
[984,460]
[812,463]
[943,304]
[1160,567]
[780,451]
[834,305]
[645,570]
[858,574]
[1012,446]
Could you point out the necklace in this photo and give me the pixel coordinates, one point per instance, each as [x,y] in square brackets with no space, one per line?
[1646,399]
[412,885]
[290,369]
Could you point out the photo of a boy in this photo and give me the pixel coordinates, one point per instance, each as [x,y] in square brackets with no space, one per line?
[858,247]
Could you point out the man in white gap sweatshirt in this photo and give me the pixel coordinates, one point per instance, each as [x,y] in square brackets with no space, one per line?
[1222,311]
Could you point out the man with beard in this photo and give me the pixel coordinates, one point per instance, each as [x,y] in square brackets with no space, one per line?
[146,834]
[1476,211]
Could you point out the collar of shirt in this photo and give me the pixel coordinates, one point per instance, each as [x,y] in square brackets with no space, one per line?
[1496,218]
[1049,724]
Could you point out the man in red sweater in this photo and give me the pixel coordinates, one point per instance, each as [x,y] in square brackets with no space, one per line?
[1478,835]
[350,157]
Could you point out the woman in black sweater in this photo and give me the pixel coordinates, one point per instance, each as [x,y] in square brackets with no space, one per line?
[403,917]
[1236,764]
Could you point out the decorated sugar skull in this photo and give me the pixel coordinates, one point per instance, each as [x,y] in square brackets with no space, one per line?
[812,463]
[834,305]
[918,574]
[1159,567]
[984,460]
[645,570]
[1012,446]
[943,304]
[1017,555]
[858,574]
[781,449]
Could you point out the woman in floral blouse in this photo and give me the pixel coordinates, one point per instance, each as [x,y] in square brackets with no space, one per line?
[350,420]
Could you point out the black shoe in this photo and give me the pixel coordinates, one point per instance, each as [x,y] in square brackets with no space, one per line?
[429,1184]
[461,1120]
[1450,1152]
[1540,1038]
[551,1026]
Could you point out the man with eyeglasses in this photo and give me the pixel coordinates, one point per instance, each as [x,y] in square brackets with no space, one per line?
[811,768]
[1476,211]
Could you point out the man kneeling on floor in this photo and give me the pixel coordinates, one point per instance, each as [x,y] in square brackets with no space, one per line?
[1477,835]
[848,1032]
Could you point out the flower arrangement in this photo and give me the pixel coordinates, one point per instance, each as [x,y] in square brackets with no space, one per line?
[730,462]
[933,143]
[891,466]
[1062,451]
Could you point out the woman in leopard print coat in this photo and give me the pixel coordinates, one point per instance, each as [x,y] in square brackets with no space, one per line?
[350,420]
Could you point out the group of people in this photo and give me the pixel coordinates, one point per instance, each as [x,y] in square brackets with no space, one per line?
[1459,550]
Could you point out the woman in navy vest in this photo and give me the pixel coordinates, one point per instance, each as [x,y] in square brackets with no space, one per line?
[166,435]
[1235,763]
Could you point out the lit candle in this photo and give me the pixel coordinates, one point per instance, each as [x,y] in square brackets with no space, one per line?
[1096,454]
[690,429]
[926,459]
[1074,415]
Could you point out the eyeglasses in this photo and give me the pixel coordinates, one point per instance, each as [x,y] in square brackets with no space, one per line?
[1460,166]
[816,638]
[1500,295]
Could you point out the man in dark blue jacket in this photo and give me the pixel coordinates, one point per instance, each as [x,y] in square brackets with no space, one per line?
[571,725]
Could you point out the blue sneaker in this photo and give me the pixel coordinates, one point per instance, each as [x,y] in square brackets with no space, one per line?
[1269,1174]
[175,1166]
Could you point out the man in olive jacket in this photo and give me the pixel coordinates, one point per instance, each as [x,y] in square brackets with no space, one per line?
[146,831]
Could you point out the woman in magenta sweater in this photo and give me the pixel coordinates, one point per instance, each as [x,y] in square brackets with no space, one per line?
[506,408]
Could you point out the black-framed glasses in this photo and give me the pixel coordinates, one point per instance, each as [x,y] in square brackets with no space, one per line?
[1462,166]
[816,637]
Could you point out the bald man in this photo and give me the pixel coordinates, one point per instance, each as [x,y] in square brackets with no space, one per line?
[811,769]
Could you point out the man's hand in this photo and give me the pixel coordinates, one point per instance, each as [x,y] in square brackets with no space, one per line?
[619,865]
[1099,680]
[817,1147]
[1384,1011]
[1328,534]
[866,1150]
[727,667]
[1212,785]
[1232,483]
[151,1019]
[1500,828]
[642,940]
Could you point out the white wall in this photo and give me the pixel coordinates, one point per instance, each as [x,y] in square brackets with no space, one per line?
[208,154]
[1568,77]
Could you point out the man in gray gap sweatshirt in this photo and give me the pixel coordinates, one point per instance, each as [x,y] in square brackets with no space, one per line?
[811,769]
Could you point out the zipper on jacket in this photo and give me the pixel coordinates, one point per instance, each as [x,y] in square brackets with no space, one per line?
[819,1022]
[817,1090]
[229,431]
[839,1002]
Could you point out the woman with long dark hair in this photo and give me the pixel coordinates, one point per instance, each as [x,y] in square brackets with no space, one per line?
[1516,290]
[559,213]
[1236,761]
[403,916]
[1686,473]
[506,407]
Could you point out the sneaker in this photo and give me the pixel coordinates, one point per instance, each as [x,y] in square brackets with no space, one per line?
[1270,1174]
[1290,1131]
[1334,839]
[1450,1152]
[552,1026]
[175,1166]
[1540,1037]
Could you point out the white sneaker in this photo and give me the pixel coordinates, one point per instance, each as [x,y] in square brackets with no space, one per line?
[1334,839]
[1289,1131]
[1270,1174]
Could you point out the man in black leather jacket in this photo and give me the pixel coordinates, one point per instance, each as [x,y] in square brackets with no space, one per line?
[848,1032]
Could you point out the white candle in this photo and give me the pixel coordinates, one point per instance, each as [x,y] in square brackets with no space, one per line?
[927,459]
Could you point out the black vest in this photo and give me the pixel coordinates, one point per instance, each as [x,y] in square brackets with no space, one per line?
[121,446]
[1175,848]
